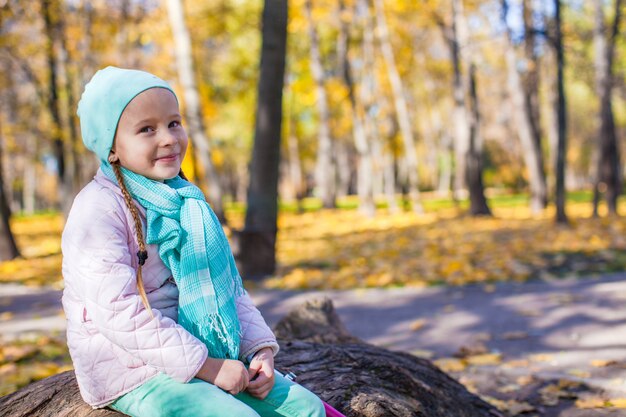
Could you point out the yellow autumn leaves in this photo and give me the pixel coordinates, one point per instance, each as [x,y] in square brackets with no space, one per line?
[31,358]
[342,250]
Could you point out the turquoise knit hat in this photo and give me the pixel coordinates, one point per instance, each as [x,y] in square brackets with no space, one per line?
[105,97]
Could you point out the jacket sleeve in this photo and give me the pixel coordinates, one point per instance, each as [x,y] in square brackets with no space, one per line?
[255,333]
[102,265]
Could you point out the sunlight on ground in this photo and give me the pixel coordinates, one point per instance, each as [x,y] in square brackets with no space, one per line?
[342,249]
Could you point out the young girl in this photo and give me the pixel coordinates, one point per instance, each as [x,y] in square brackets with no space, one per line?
[158,321]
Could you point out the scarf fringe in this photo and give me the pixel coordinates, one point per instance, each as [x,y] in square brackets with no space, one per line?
[215,334]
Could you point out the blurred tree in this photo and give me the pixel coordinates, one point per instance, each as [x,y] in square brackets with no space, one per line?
[530,78]
[468,138]
[52,15]
[608,172]
[402,112]
[325,177]
[365,167]
[192,106]
[560,111]
[8,248]
[523,97]
[258,239]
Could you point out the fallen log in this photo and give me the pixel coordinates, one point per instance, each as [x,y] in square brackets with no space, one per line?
[358,379]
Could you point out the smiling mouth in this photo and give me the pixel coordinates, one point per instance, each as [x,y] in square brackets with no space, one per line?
[168,158]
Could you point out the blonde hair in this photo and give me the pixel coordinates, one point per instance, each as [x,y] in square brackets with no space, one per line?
[143,253]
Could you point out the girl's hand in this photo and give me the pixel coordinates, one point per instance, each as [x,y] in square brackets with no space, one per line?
[261,373]
[227,374]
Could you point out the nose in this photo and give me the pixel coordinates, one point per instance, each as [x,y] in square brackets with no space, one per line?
[168,138]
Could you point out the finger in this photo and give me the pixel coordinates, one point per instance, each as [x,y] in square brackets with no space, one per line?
[264,391]
[253,373]
[260,380]
[261,389]
[245,380]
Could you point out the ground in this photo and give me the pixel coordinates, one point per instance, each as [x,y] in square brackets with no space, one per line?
[542,348]
[527,314]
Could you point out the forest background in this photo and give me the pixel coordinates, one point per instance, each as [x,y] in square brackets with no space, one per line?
[403,109]
[421,142]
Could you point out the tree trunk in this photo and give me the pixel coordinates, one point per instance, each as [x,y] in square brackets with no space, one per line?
[324,169]
[358,379]
[258,239]
[50,10]
[474,164]
[344,173]
[608,171]
[8,248]
[193,111]
[74,166]
[468,140]
[531,94]
[528,133]
[560,111]
[445,164]
[365,168]
[389,182]
[460,117]
[295,165]
[552,124]
[368,93]
[402,111]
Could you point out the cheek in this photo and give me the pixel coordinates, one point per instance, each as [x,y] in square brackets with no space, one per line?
[184,141]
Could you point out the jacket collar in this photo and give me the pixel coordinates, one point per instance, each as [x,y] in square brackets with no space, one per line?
[106,182]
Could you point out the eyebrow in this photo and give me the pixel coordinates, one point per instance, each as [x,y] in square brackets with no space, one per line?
[150,119]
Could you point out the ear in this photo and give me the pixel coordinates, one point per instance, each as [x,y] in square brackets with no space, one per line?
[113,157]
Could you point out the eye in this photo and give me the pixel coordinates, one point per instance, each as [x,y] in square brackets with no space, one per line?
[146,129]
[175,123]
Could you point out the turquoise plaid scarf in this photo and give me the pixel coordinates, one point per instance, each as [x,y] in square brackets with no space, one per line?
[193,246]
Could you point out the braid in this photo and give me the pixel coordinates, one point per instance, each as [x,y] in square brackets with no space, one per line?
[142,254]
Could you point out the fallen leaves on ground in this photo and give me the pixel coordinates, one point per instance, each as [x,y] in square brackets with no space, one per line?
[30,359]
[341,249]
[39,241]
[335,249]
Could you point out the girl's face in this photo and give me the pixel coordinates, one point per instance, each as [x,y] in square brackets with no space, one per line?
[150,138]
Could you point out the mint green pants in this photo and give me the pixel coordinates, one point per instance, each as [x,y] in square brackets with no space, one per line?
[161,396]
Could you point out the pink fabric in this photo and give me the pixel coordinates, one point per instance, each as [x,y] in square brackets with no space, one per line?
[114,343]
[330,411]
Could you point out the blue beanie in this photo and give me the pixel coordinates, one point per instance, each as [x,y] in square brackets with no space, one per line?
[105,97]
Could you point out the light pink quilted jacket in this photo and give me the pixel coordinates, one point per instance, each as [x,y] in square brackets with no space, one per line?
[114,343]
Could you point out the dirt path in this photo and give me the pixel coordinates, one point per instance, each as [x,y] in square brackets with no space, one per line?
[540,345]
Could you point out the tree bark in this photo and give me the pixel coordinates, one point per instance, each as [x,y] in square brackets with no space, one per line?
[402,111]
[560,111]
[193,110]
[531,94]
[608,171]
[461,122]
[295,165]
[468,140]
[474,164]
[50,10]
[74,161]
[258,239]
[8,247]
[324,169]
[342,152]
[522,98]
[365,168]
[358,379]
